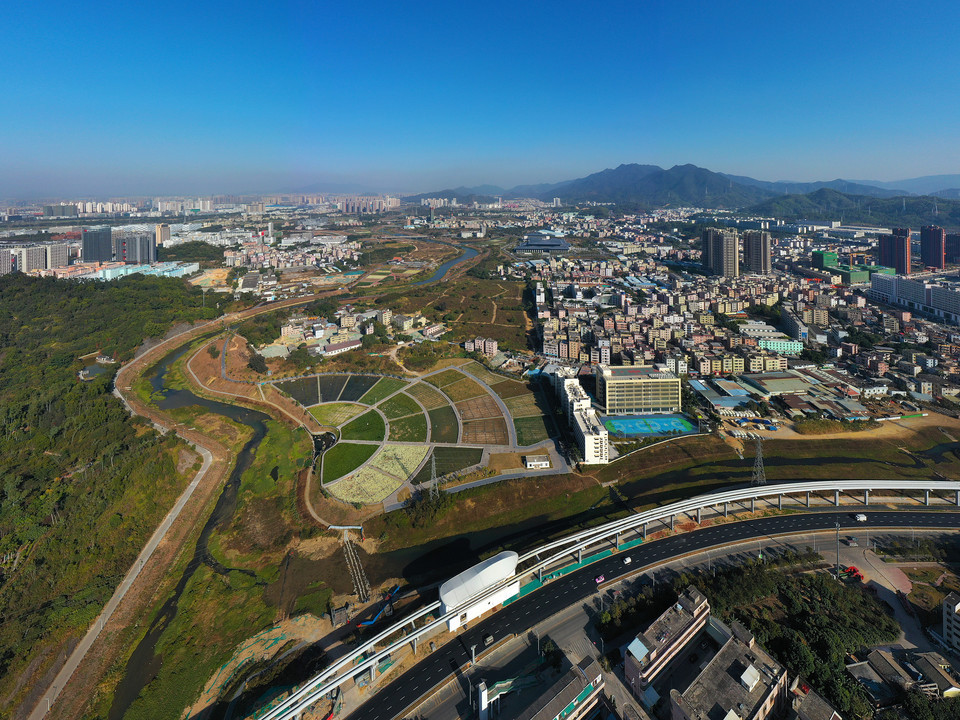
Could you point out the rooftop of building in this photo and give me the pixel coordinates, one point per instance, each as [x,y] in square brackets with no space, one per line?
[738,679]
[563,692]
[478,578]
[814,707]
[636,371]
[670,625]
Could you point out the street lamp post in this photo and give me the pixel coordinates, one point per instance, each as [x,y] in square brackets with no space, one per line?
[838,550]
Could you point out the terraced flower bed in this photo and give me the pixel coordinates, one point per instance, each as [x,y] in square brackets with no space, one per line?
[367,486]
[485,432]
[523,406]
[335,414]
[444,427]
[448,460]
[386,387]
[400,460]
[479,408]
[399,406]
[412,428]
[447,377]
[368,426]
[530,430]
[344,458]
[464,390]
[427,396]
[482,373]
[510,388]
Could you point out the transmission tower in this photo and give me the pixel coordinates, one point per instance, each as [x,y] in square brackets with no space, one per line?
[759,475]
[434,483]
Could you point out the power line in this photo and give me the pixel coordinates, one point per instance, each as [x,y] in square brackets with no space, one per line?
[759,474]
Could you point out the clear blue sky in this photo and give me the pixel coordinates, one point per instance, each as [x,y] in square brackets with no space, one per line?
[177,97]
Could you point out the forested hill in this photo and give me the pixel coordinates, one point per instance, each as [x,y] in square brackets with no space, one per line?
[82,484]
[827,204]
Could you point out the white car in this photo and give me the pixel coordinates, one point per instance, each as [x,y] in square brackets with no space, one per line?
[860,517]
[627,560]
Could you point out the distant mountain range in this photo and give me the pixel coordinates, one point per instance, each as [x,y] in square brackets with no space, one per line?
[828,204]
[650,186]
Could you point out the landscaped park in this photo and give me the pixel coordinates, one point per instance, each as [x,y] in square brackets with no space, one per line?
[394,432]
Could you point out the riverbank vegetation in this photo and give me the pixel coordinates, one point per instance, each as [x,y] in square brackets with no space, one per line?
[253,587]
[825,426]
[84,484]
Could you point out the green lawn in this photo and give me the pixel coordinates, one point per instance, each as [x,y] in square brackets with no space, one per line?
[400,406]
[409,429]
[386,386]
[449,459]
[344,458]
[530,430]
[368,426]
[443,425]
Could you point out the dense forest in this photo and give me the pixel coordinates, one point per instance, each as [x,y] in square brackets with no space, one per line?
[193,251]
[828,204]
[82,484]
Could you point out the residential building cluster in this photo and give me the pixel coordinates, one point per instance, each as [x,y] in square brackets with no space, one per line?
[344,331]
[731,676]
[325,255]
[606,312]
[592,438]
[485,346]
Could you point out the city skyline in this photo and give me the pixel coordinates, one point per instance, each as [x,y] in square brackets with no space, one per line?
[214,98]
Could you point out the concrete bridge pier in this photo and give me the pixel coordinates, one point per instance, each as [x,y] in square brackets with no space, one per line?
[579,555]
[866,497]
[726,509]
[958,498]
[414,645]
[699,515]
[926,497]
[836,498]
[644,530]
[779,502]
[671,522]
[753,504]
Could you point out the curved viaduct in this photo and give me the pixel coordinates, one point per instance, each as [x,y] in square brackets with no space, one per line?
[572,587]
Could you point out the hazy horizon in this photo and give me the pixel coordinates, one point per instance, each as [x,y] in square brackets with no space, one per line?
[205,99]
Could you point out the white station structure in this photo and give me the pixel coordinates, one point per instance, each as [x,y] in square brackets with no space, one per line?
[456,592]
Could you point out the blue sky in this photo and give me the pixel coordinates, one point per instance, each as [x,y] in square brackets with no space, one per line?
[176,97]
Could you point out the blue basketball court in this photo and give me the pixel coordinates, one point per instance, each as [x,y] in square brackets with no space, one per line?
[648,425]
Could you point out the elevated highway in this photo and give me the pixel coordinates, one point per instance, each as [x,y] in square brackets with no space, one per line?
[574,586]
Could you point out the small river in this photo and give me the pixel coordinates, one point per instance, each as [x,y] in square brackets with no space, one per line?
[468,253]
[144,663]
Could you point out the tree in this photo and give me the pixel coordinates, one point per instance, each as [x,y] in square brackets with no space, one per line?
[257,363]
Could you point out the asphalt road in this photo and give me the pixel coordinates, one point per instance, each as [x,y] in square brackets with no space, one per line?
[575,587]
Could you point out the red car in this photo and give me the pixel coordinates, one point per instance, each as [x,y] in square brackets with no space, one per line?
[599,579]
